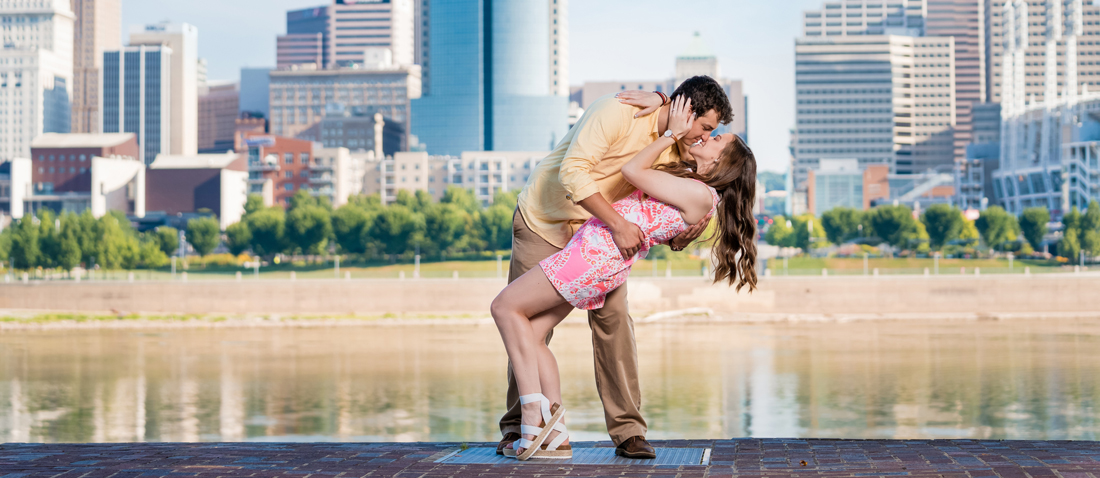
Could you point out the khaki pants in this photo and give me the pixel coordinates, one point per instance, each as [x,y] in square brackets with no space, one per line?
[613,347]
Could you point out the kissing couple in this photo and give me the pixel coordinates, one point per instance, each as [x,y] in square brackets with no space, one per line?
[620,182]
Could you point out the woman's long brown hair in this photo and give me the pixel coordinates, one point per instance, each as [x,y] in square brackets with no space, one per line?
[734,178]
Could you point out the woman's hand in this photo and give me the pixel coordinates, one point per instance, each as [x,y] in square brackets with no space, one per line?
[681,117]
[647,100]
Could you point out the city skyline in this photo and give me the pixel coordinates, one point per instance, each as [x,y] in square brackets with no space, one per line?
[637,45]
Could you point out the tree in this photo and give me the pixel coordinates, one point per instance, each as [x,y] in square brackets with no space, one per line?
[204,234]
[5,244]
[268,227]
[943,223]
[444,225]
[496,223]
[462,198]
[997,227]
[254,203]
[913,236]
[808,232]
[507,199]
[308,228]
[151,255]
[301,198]
[168,239]
[115,242]
[841,224]
[1070,246]
[780,234]
[367,202]
[238,237]
[397,229]
[891,222]
[24,243]
[349,223]
[1033,224]
[969,233]
[1090,230]
[68,251]
[416,202]
[85,227]
[49,240]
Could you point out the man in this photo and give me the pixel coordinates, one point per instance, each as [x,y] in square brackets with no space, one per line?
[578,180]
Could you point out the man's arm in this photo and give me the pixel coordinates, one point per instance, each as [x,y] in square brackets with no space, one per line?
[589,147]
[627,235]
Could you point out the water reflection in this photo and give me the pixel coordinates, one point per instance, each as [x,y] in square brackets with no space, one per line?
[1016,380]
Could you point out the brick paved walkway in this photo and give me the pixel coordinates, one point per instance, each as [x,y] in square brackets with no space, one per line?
[749,458]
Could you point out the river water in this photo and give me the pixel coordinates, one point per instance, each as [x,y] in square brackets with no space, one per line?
[888,379]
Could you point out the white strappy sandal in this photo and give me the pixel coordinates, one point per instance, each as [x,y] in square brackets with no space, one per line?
[551,421]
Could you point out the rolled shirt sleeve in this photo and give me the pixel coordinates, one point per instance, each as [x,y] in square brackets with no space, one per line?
[591,145]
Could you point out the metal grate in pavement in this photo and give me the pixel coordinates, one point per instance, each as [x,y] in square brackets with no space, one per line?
[581,456]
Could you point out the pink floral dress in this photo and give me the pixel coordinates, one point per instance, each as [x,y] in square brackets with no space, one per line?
[591,266]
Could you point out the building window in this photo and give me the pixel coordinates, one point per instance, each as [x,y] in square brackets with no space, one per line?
[288,174]
[288,187]
[303,158]
[288,158]
[304,174]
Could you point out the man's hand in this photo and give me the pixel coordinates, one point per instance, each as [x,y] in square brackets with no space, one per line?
[628,238]
[647,100]
[690,234]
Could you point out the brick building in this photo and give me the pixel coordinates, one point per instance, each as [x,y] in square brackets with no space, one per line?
[277,166]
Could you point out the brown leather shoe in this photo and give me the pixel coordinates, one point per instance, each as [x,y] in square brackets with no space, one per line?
[506,441]
[636,447]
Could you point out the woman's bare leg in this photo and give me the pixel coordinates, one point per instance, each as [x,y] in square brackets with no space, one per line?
[524,313]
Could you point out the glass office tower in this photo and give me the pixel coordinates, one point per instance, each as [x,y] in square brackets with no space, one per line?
[491,78]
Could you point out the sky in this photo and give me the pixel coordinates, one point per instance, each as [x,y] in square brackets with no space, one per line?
[608,40]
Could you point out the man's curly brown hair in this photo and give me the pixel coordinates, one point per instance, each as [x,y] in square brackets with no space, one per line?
[706,94]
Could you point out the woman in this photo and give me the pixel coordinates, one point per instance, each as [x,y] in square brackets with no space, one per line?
[669,198]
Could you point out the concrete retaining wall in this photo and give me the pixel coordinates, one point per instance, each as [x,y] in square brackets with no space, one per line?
[782,295]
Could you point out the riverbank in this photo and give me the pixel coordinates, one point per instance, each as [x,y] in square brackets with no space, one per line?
[891,296]
[772,458]
[22,320]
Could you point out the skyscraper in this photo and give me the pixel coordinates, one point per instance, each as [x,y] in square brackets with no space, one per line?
[879,99]
[255,91]
[493,77]
[298,98]
[421,34]
[97,30]
[348,27]
[1088,66]
[137,96]
[36,72]
[183,41]
[962,20]
[218,106]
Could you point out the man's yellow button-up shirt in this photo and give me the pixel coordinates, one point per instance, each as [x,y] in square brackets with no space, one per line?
[589,160]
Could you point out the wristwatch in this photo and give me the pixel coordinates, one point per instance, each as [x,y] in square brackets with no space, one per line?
[668,134]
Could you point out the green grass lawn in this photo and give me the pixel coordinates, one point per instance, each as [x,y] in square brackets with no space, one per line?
[804,265]
[676,265]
